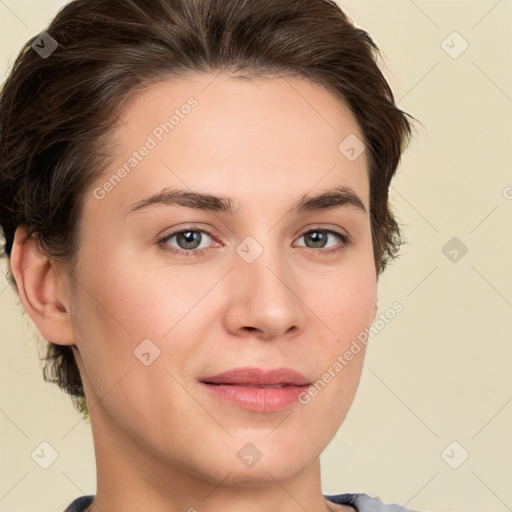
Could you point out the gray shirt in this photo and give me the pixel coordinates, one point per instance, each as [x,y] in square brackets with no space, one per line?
[364,503]
[360,501]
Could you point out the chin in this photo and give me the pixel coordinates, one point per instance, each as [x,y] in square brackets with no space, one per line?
[258,476]
[260,467]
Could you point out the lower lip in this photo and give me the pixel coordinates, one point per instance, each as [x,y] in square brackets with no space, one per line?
[257,399]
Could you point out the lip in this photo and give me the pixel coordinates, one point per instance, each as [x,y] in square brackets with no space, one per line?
[252,376]
[257,389]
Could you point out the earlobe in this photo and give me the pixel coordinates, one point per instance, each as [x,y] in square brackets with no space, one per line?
[38,282]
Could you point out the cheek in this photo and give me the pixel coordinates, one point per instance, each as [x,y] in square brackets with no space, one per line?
[346,299]
[124,301]
[131,296]
[358,294]
[347,309]
[113,313]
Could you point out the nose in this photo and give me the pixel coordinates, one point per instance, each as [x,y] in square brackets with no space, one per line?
[266,298]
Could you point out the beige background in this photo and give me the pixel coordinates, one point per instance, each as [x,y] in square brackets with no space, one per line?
[440,371]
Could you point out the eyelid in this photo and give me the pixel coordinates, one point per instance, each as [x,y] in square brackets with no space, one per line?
[328,228]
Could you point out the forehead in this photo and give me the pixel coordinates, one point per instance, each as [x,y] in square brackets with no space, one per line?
[216,132]
[270,103]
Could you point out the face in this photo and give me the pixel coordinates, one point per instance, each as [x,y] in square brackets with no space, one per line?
[172,292]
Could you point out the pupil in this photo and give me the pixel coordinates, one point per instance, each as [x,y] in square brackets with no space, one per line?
[317,238]
[187,235]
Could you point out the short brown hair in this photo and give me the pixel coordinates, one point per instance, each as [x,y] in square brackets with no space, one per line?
[56,112]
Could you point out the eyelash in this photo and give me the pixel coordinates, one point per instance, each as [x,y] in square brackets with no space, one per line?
[345,239]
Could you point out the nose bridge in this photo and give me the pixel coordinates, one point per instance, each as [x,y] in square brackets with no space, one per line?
[260,259]
[263,280]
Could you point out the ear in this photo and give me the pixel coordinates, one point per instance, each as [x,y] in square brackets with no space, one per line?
[41,289]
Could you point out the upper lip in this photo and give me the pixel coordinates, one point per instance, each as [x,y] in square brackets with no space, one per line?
[251,376]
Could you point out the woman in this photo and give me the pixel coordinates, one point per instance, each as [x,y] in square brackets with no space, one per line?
[194,196]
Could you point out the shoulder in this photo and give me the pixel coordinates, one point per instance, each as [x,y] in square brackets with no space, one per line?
[364,503]
[80,504]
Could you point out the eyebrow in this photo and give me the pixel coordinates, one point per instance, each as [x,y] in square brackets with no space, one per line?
[327,200]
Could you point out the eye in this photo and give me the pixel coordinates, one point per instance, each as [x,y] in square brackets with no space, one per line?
[318,237]
[188,240]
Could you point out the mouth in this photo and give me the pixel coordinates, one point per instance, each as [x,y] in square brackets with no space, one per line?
[256,389]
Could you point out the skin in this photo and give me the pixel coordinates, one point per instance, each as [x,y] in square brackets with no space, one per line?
[161,442]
